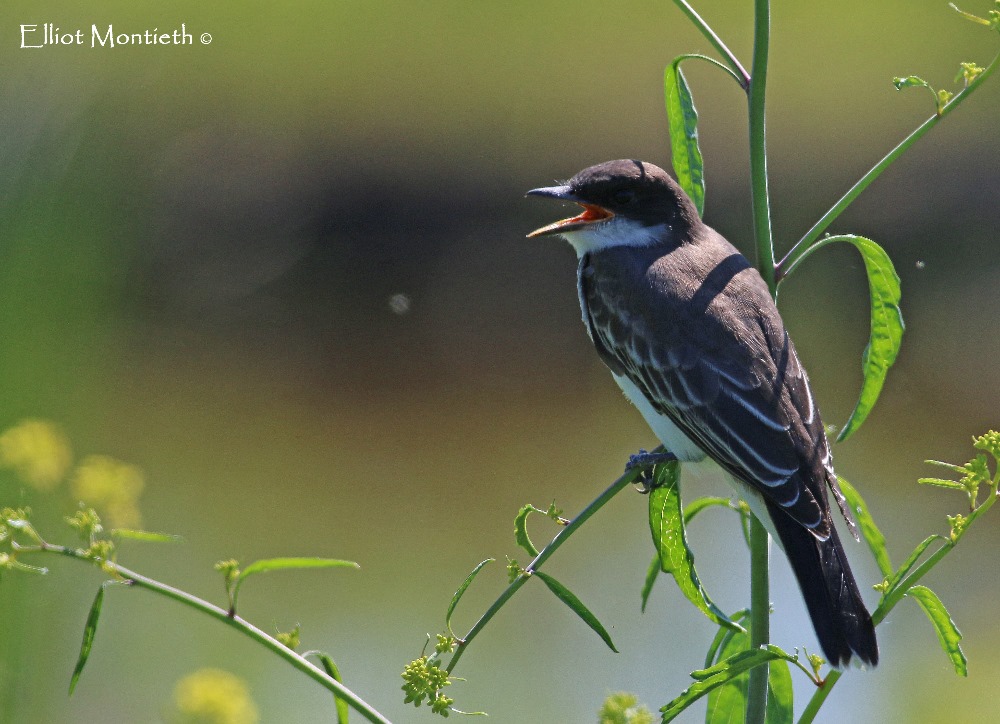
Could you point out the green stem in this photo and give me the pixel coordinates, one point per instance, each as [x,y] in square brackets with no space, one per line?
[806,253]
[812,708]
[899,592]
[760,624]
[758,145]
[760,607]
[244,627]
[716,42]
[803,245]
[713,61]
[561,537]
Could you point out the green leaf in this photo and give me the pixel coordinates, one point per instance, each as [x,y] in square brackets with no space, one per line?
[666,523]
[727,704]
[283,564]
[715,676]
[910,81]
[690,511]
[461,592]
[741,662]
[974,18]
[779,693]
[89,630]
[722,636]
[871,533]
[651,575]
[947,632]
[147,536]
[960,469]
[683,121]
[908,564]
[941,97]
[942,483]
[887,327]
[745,522]
[567,597]
[343,709]
[16,565]
[521,529]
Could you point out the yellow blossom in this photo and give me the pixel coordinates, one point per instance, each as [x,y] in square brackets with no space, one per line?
[111,486]
[213,696]
[38,451]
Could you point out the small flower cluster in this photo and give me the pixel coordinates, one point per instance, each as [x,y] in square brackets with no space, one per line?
[974,475]
[424,679]
[292,638]
[14,521]
[623,708]
[514,570]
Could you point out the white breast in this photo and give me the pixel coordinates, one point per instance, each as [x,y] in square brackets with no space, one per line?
[675,441]
[665,430]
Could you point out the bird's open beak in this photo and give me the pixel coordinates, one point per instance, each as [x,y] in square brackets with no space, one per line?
[591,212]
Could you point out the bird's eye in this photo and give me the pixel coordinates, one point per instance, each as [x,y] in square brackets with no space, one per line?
[624,196]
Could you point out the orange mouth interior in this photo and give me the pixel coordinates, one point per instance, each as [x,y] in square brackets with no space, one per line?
[591,214]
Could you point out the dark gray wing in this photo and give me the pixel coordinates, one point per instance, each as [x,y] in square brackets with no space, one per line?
[714,358]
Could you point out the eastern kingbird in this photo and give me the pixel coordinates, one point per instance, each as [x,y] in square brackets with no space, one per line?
[692,336]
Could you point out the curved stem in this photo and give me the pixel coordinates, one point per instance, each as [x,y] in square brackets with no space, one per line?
[738,69]
[802,245]
[245,627]
[713,61]
[561,537]
[806,253]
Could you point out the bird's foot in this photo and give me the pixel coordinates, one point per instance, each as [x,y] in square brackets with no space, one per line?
[644,462]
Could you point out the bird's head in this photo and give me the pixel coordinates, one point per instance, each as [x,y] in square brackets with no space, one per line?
[625,203]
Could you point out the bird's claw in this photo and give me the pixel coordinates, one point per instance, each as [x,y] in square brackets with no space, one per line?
[644,462]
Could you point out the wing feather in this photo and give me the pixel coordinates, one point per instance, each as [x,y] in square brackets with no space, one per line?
[717,361]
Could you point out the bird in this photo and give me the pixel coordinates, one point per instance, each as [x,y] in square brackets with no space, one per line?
[692,335]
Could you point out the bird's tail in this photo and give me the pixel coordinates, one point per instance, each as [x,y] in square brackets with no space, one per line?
[838,614]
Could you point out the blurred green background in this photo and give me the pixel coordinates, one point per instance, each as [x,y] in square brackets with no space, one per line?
[285,274]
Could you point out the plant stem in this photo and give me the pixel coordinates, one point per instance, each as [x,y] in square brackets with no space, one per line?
[716,42]
[897,594]
[760,624]
[246,628]
[806,253]
[561,537]
[812,708]
[713,61]
[758,145]
[803,244]
[760,606]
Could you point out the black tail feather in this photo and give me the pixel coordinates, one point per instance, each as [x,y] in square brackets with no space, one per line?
[838,613]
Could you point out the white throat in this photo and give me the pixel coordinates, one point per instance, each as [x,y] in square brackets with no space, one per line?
[617,231]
